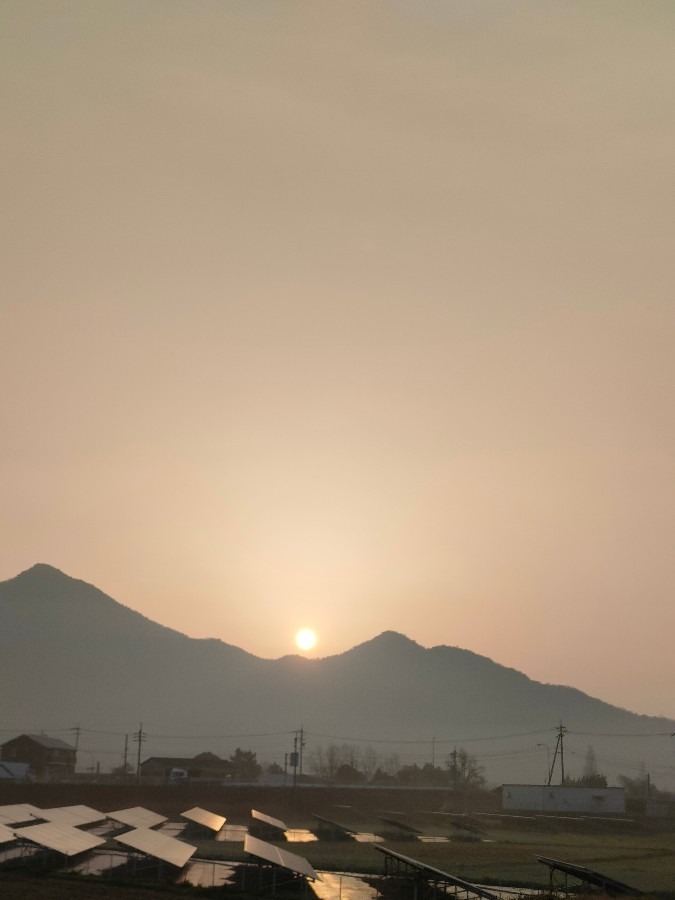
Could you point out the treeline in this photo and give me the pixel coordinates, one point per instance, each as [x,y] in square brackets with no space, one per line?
[349,764]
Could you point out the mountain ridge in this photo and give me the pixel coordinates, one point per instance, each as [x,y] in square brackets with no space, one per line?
[78,655]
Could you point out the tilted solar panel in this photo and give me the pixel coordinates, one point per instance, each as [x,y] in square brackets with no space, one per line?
[161,846]
[137,817]
[268,820]
[73,815]
[19,813]
[205,818]
[278,857]
[6,835]
[62,838]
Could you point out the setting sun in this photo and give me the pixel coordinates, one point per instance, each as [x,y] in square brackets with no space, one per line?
[305,639]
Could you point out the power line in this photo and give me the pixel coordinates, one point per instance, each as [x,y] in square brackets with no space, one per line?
[463,740]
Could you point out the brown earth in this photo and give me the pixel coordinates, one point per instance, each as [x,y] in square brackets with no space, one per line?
[294,805]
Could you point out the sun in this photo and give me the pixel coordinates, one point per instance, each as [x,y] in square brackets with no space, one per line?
[305,639]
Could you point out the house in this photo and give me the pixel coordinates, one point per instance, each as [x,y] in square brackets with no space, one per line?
[49,758]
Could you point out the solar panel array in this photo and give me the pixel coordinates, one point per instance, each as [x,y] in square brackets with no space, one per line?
[61,829]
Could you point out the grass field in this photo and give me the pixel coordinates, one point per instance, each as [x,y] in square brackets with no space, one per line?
[503,856]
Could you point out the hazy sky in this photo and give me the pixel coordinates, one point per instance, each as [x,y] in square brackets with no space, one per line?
[353,315]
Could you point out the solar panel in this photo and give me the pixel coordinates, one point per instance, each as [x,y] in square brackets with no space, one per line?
[19,813]
[589,876]
[160,846]
[73,815]
[330,825]
[6,834]
[268,820]
[205,818]
[278,857]
[62,838]
[137,817]
[438,875]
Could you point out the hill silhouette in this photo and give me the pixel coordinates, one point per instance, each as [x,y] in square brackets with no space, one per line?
[75,657]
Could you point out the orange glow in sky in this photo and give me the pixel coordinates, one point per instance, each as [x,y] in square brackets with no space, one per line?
[359,313]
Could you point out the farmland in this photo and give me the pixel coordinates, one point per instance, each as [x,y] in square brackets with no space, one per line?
[480,845]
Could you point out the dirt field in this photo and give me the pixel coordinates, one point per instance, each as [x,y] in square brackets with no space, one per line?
[294,806]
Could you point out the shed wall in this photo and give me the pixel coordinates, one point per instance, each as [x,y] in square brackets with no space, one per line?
[556,798]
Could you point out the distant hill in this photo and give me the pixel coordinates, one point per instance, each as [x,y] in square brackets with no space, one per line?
[74,656]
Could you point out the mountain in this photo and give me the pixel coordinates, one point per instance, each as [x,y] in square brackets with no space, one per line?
[73,656]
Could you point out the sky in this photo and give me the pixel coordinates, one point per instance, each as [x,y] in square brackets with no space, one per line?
[354,316]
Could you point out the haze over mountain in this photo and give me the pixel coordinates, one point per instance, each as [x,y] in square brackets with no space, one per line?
[76,657]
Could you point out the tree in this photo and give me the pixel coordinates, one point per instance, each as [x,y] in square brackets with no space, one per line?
[424,775]
[639,788]
[326,761]
[591,781]
[245,765]
[348,774]
[382,777]
[591,777]
[591,764]
[464,772]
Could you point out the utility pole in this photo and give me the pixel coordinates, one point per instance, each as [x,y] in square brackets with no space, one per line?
[559,748]
[126,756]
[548,758]
[294,759]
[140,737]
[433,752]
[302,746]
[454,773]
[77,731]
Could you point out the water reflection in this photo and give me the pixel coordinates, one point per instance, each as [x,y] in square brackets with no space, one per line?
[172,828]
[300,835]
[232,833]
[339,886]
[100,862]
[207,873]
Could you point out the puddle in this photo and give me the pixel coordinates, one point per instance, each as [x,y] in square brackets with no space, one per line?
[232,833]
[300,835]
[339,886]
[100,863]
[208,873]
[172,828]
